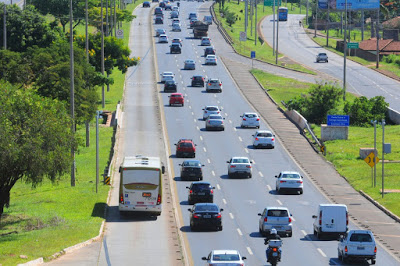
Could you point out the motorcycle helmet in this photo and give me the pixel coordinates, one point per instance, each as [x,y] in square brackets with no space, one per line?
[273,231]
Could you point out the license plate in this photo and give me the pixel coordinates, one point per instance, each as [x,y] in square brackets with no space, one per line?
[277,227]
[146,194]
[360,248]
[207,216]
[275,254]
[329,225]
[201,193]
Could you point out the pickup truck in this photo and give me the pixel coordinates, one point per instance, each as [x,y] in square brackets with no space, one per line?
[357,245]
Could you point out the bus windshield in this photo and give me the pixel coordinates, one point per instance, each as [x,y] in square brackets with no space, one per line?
[141,176]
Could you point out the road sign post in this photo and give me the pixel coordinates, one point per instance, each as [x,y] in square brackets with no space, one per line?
[252,55]
[120,34]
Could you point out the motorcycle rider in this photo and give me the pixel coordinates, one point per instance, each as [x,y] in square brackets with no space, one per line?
[273,235]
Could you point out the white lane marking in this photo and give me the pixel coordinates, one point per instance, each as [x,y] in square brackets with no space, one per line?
[218,102]
[201,138]
[204,70]
[280,203]
[198,128]
[260,174]
[304,232]
[215,95]
[226,114]
[249,250]
[239,232]
[321,252]
[192,113]
[190,107]
[294,220]
[208,160]
[218,187]
[182,81]
[269,187]
[234,129]
[246,150]
[240,139]
[231,215]
[204,149]
[195,122]
[213,173]
[224,201]
[230,121]
[254,162]
[187,100]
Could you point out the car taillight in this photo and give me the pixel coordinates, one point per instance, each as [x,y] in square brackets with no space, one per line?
[347,218]
[274,249]
[218,112]
[282,181]
[191,191]
[290,220]
[375,250]
[219,216]
[121,198]
[202,79]
[320,218]
[244,119]
[272,139]
[301,182]
[205,111]
[248,166]
[345,249]
[212,191]
[233,166]
[265,219]
[220,84]
[258,119]
[209,84]
[256,138]
[196,215]
[159,199]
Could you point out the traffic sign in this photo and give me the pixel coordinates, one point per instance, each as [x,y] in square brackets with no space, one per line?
[271,2]
[253,54]
[338,120]
[370,159]
[120,34]
[243,36]
[352,45]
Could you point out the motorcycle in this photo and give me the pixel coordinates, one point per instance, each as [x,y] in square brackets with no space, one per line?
[274,251]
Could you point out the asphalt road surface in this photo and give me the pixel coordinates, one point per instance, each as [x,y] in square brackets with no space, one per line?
[295,43]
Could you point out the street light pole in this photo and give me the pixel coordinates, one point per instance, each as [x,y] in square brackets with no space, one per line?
[72,89]
[383,157]
[255,23]
[102,55]
[87,31]
[5,28]
[344,52]
[273,29]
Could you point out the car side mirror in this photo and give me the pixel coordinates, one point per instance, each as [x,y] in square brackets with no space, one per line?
[244,258]
[251,161]
[314,216]
[259,214]
[187,187]
[227,161]
[213,187]
[221,210]
[195,144]
[204,258]
[241,116]
[202,109]
[180,164]
[175,144]
[291,214]
[202,165]
[190,210]
[119,170]
[302,177]
[253,135]
[276,176]
[169,96]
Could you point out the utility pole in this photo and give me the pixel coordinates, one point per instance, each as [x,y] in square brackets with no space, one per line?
[307,13]
[383,157]
[316,19]
[255,23]
[5,27]
[375,153]
[115,19]
[97,149]
[327,28]
[102,54]
[251,18]
[273,29]
[72,92]
[246,13]
[362,25]
[277,40]
[107,30]
[344,52]
[377,40]
[87,31]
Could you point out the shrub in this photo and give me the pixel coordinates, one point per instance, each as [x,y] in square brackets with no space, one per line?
[362,111]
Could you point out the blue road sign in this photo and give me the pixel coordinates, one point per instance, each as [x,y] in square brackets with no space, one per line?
[253,54]
[338,120]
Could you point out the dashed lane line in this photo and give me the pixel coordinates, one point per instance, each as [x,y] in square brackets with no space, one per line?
[218,187]
[249,250]
[246,150]
[321,252]
[279,202]
[261,174]
[213,173]
[304,232]
[204,148]
[208,160]
[231,215]
[269,187]
[240,138]
[201,138]
[239,232]
[224,201]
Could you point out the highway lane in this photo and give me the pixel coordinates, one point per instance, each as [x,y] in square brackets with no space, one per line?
[242,199]
[296,44]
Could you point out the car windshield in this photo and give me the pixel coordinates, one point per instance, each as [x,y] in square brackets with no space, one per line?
[212,109]
[226,257]
[250,115]
[191,163]
[211,56]
[186,145]
[189,61]
[200,187]
[205,208]
[277,213]
[291,176]
[322,54]
[198,77]
[240,161]
[214,81]
[357,237]
[264,135]
[217,117]
[169,82]
[176,96]
[168,74]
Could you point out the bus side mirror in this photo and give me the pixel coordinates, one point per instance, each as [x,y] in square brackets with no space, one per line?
[163,169]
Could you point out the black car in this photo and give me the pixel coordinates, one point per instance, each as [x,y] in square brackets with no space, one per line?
[191,170]
[175,48]
[200,192]
[205,215]
[158,11]
[159,20]
[146,4]
[162,4]
[209,50]
[154,1]
[198,81]
[170,85]
[168,7]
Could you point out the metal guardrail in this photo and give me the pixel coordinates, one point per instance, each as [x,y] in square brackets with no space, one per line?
[221,29]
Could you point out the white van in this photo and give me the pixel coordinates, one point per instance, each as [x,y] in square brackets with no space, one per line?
[331,219]
[207,20]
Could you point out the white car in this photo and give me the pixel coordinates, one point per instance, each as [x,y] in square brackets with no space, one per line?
[357,245]
[239,166]
[167,76]
[213,85]
[175,8]
[205,41]
[176,20]
[224,257]
[263,139]
[163,38]
[159,32]
[288,180]
[215,122]
[210,110]
[250,120]
[275,217]
[176,27]
[211,60]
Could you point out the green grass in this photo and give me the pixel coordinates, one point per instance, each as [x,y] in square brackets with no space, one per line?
[54,216]
[263,51]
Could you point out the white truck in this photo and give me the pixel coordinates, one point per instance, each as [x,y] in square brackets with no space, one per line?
[331,220]
[357,245]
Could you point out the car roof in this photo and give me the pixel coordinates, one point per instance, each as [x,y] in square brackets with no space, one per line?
[186,140]
[277,208]
[207,106]
[177,93]
[263,131]
[206,204]
[189,60]
[163,35]
[211,55]
[191,160]
[225,251]
[290,172]
[239,157]
[250,113]
[359,232]
[201,182]
[198,76]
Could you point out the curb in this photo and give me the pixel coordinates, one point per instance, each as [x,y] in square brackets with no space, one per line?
[381,207]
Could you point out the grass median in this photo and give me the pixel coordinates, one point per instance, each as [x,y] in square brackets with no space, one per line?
[53,216]
[344,154]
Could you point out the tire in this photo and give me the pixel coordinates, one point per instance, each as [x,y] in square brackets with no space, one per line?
[192,228]
[344,259]
[183,104]
[220,228]
[301,191]
[339,256]
[258,127]
[241,126]
[169,104]
[315,232]
[178,155]
[373,261]
[223,129]
[229,175]
[290,234]
[194,155]
[250,176]
[319,235]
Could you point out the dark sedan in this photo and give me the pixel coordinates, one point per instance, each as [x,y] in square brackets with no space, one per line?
[200,192]
[198,81]
[205,215]
[170,85]
[191,170]
[146,4]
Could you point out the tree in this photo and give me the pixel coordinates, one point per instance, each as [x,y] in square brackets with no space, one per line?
[116,54]
[230,18]
[95,19]
[26,28]
[14,68]
[35,141]
[362,110]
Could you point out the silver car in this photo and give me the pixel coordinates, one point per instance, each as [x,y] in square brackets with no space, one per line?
[250,120]
[239,166]
[214,85]
[189,64]
[215,122]
[287,180]
[322,57]
[167,75]
[210,110]
[205,41]
[163,38]
[275,217]
[159,32]
[210,60]
[263,139]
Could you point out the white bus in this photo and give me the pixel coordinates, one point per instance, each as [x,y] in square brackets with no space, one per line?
[140,188]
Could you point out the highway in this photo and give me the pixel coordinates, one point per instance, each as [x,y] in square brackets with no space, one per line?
[297,45]
[241,199]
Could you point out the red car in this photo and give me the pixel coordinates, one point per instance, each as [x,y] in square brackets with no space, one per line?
[176,98]
[185,148]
